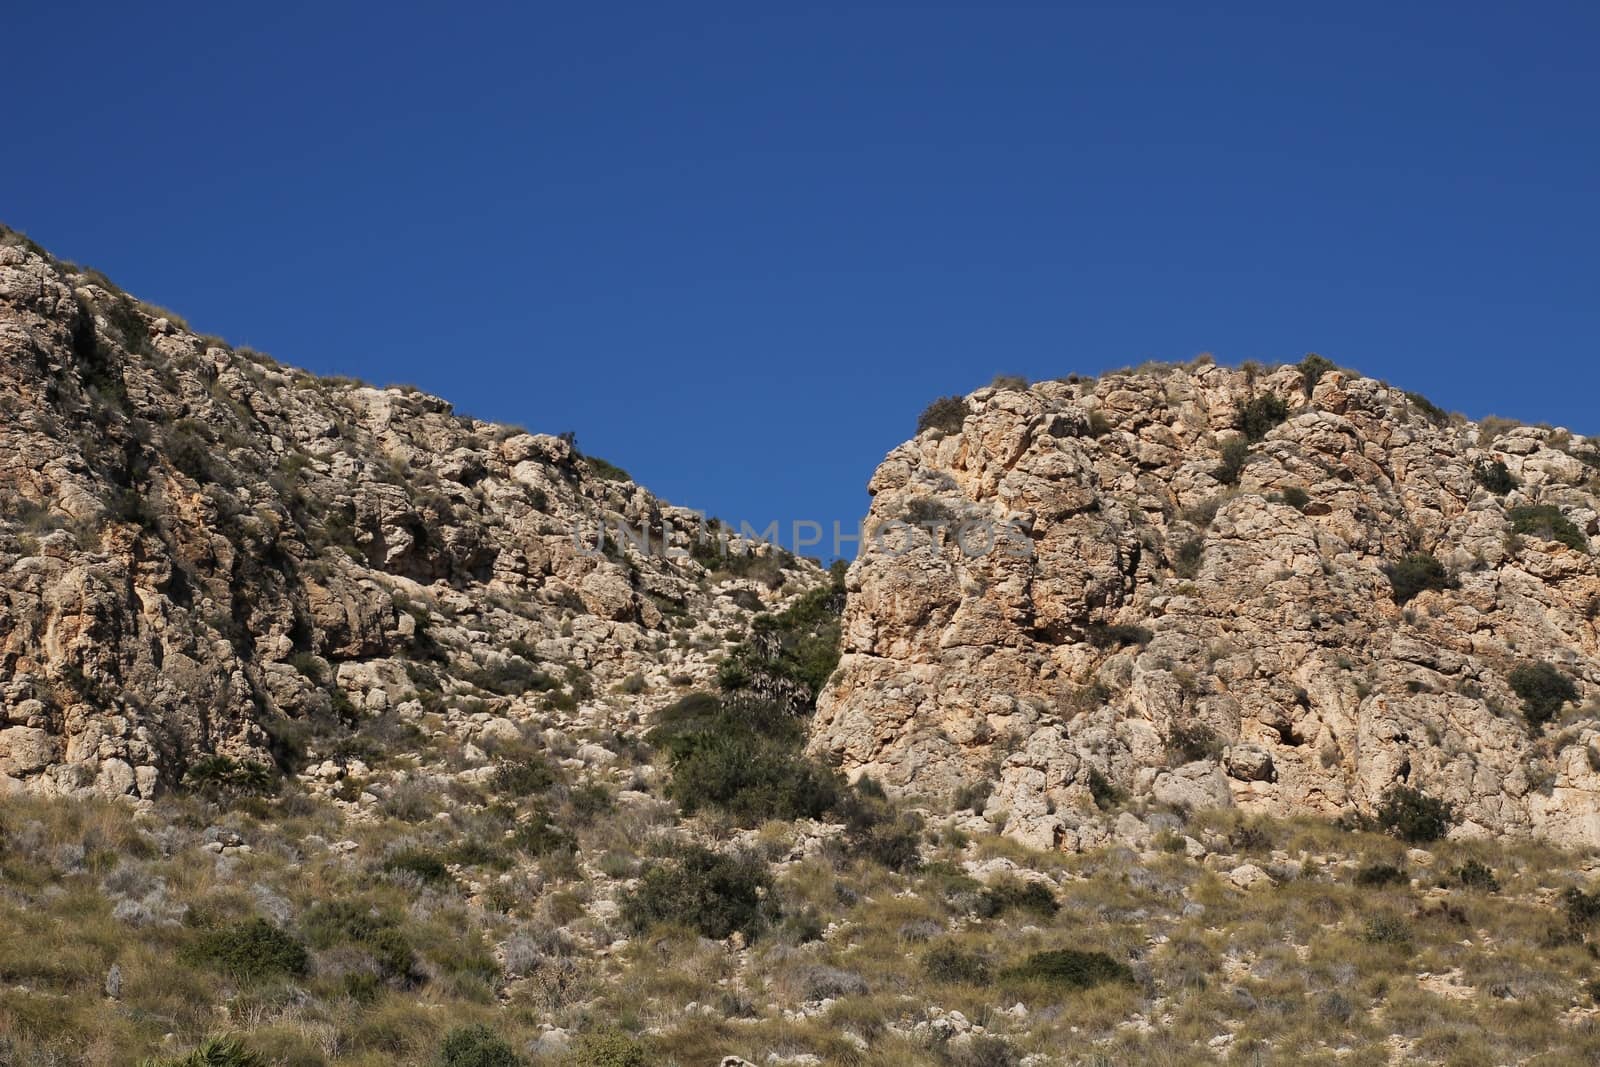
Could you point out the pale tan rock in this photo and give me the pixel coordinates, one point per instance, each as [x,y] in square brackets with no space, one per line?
[1281,643]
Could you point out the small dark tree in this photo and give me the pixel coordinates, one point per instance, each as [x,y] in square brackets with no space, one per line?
[1413,816]
[1544,691]
[1416,573]
[1546,521]
[1312,368]
[714,893]
[1235,454]
[1494,476]
[1260,415]
[944,415]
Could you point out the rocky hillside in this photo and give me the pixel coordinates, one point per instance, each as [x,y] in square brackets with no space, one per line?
[213,565]
[1291,591]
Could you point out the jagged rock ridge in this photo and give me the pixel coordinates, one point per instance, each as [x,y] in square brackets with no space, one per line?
[1207,620]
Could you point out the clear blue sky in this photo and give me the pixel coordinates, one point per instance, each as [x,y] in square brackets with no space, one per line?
[737,249]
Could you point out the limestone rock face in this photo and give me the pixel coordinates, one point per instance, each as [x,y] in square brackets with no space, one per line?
[1148,621]
[201,548]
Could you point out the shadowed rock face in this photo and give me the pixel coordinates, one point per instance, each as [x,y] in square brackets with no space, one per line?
[199,546]
[1203,644]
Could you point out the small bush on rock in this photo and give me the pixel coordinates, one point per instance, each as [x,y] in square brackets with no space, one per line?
[1260,415]
[1544,691]
[1416,573]
[1547,522]
[1494,476]
[944,415]
[1235,454]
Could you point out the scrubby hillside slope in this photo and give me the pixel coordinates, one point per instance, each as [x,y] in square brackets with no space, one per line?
[213,564]
[1291,591]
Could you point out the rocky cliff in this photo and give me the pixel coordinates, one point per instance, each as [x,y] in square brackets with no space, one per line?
[208,559]
[1287,590]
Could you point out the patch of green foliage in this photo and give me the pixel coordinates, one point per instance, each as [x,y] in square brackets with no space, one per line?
[608,1048]
[789,656]
[1544,691]
[1260,415]
[1379,875]
[1068,970]
[215,1052]
[476,1046]
[249,951]
[1431,411]
[1312,368]
[1418,572]
[606,471]
[1546,521]
[715,893]
[223,778]
[1235,454]
[1106,796]
[1413,816]
[1494,476]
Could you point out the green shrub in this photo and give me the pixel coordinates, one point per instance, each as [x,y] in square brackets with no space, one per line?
[538,835]
[1413,816]
[752,778]
[1106,796]
[511,677]
[1544,691]
[337,922]
[606,471]
[249,951]
[216,1052]
[1015,382]
[1260,415]
[949,964]
[1386,929]
[1068,970]
[1191,741]
[1547,522]
[1187,559]
[1475,875]
[1381,874]
[221,777]
[1416,573]
[608,1048]
[1312,368]
[944,415]
[476,1046]
[1431,411]
[1494,476]
[789,655]
[1118,635]
[1235,454]
[528,777]
[1294,496]
[426,865]
[716,894]
[1014,894]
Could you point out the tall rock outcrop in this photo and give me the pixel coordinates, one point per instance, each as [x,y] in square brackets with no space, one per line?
[1192,605]
[204,553]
